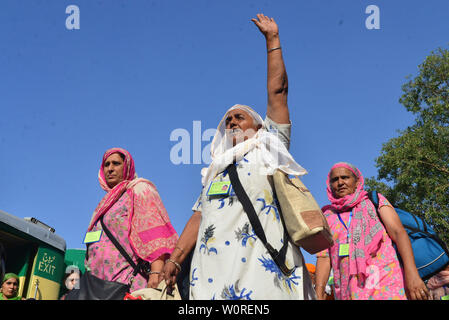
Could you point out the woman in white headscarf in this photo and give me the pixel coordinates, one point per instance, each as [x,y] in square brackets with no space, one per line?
[229,261]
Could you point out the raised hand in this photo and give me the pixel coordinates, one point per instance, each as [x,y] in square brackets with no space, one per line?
[277,82]
[266,25]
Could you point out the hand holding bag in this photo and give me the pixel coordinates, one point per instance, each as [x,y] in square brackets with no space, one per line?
[303,218]
[162,292]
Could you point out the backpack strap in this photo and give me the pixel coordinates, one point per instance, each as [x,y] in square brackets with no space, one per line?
[278,256]
[374,197]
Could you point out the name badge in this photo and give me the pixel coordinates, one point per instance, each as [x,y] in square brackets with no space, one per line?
[93,236]
[219,188]
[343,250]
[445,297]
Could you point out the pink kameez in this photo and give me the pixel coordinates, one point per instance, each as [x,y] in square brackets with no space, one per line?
[372,270]
[134,213]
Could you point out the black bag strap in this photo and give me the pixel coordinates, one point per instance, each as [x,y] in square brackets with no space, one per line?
[278,256]
[142,267]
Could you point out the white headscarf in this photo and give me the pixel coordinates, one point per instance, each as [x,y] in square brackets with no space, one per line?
[270,151]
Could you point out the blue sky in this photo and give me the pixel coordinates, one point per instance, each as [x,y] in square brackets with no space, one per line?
[135,71]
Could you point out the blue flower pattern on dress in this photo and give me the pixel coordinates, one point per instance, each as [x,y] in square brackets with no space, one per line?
[235,239]
[271,266]
[208,237]
[244,234]
[222,203]
[192,282]
[233,292]
[268,204]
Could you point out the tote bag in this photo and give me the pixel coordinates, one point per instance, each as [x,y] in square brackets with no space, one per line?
[303,218]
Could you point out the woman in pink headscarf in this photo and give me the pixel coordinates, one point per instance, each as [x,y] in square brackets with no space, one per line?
[133,211]
[363,259]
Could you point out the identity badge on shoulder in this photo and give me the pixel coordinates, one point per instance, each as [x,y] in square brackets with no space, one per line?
[92,237]
[219,188]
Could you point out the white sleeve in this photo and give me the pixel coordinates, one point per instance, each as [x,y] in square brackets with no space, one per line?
[283,131]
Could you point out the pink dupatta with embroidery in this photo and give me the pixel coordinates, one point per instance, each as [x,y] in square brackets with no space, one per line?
[151,234]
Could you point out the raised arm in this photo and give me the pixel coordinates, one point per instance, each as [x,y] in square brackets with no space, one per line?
[277,81]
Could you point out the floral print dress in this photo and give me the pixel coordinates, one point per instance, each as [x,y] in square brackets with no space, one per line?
[104,260]
[229,261]
[385,281]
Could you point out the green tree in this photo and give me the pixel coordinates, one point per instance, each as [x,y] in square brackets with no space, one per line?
[415,165]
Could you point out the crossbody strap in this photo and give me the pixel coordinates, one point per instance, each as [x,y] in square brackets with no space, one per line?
[142,267]
[278,256]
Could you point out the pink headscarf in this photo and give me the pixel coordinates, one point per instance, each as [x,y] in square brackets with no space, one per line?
[365,229]
[347,202]
[151,233]
[129,172]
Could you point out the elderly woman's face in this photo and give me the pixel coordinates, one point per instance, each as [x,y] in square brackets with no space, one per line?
[113,170]
[240,126]
[343,182]
[10,287]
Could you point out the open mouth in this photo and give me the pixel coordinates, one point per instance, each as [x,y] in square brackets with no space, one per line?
[235,131]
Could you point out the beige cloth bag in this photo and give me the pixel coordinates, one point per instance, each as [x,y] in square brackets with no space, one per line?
[159,293]
[303,218]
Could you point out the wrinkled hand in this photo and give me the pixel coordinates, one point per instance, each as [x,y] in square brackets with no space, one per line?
[416,289]
[266,25]
[169,273]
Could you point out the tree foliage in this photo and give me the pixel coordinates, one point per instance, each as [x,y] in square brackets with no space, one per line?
[415,165]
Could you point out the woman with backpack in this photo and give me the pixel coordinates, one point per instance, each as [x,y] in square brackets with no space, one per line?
[365,263]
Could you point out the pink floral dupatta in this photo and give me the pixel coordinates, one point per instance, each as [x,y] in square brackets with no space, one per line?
[151,233]
[365,229]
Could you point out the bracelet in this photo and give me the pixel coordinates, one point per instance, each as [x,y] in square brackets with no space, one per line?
[272,49]
[178,266]
[154,272]
[179,248]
